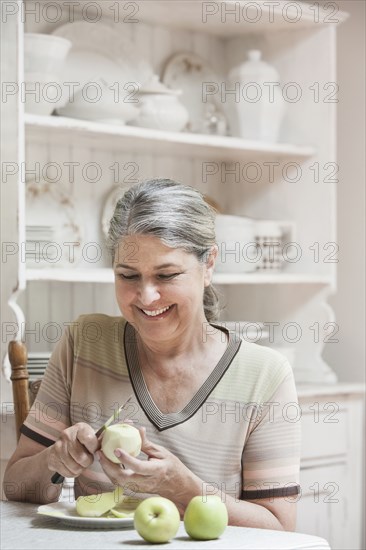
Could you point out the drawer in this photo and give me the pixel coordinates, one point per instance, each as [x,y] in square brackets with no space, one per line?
[324,433]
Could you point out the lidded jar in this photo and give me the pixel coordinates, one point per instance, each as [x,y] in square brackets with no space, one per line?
[259,105]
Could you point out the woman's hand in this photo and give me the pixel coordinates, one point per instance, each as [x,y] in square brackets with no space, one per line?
[73,451]
[163,473]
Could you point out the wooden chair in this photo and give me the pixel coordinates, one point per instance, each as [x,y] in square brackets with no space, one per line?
[24,393]
[24,390]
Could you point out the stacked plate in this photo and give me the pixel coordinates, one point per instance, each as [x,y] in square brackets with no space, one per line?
[37,251]
[54,230]
[37,363]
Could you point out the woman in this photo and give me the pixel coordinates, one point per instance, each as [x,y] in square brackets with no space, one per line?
[210,408]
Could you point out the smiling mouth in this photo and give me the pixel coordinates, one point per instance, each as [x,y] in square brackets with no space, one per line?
[155,312]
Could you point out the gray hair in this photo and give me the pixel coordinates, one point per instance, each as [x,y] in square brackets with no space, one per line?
[175,213]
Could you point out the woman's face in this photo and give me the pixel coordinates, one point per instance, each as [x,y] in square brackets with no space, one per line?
[159,289]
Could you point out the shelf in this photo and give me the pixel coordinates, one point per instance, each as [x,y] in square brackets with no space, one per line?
[269,279]
[232,17]
[145,140]
[98,275]
[105,275]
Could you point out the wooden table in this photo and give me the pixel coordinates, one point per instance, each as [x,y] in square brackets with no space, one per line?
[22,527]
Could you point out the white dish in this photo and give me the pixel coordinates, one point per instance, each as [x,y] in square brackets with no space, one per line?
[188,72]
[109,206]
[49,206]
[100,51]
[66,513]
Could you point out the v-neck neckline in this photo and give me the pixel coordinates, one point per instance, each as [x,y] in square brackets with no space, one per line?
[160,420]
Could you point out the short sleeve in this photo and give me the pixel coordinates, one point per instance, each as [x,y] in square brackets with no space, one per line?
[271,456]
[50,412]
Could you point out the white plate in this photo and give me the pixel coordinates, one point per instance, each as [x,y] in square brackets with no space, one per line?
[109,206]
[100,51]
[66,513]
[48,205]
[187,72]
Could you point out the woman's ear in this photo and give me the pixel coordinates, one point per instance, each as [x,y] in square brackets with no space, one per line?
[210,264]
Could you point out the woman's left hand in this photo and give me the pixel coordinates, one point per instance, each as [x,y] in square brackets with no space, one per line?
[162,473]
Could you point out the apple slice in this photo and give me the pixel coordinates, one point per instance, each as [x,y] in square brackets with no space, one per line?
[94,506]
[121,436]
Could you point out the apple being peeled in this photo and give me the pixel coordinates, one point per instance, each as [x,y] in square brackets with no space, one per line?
[121,436]
[205,518]
[157,519]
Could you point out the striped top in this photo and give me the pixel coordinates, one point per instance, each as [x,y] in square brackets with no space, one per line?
[240,432]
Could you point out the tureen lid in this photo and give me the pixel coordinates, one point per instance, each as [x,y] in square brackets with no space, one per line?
[154,86]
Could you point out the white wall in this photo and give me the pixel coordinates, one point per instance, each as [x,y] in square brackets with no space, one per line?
[348,356]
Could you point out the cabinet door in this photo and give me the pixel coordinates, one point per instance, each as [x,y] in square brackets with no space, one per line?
[322,507]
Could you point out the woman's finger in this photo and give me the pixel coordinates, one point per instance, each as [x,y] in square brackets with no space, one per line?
[150,448]
[142,467]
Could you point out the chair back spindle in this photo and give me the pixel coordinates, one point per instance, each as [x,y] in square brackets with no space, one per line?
[18,358]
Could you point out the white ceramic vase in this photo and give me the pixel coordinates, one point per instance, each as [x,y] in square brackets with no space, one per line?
[257,111]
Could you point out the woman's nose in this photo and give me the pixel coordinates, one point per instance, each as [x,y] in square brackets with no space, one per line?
[148,294]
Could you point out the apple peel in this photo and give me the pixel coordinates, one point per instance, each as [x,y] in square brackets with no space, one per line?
[121,514]
[94,506]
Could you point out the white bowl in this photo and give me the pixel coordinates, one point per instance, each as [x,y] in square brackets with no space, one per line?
[44,53]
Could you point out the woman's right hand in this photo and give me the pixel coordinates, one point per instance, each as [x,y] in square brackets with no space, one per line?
[73,451]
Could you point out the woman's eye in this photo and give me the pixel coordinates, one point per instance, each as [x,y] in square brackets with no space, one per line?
[167,277]
[127,277]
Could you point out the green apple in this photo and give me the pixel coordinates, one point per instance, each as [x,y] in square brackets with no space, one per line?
[121,436]
[157,519]
[206,517]
[94,506]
